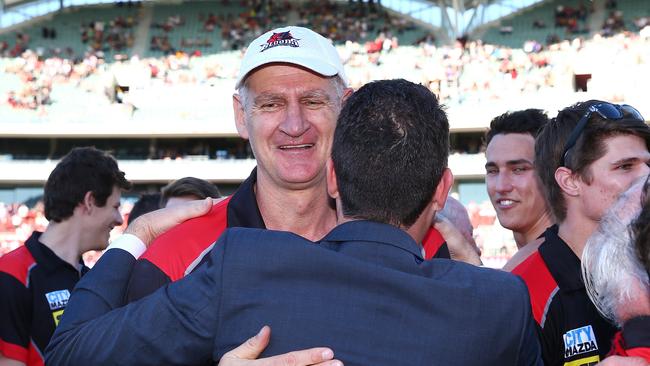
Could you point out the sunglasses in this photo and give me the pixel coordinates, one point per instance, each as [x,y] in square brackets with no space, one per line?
[605,110]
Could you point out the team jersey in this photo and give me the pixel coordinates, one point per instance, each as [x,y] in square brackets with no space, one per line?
[178,251]
[572,332]
[634,339]
[35,285]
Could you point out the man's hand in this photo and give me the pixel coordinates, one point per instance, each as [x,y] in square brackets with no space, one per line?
[148,226]
[247,353]
[460,247]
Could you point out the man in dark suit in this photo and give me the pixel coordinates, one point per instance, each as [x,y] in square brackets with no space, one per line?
[364,290]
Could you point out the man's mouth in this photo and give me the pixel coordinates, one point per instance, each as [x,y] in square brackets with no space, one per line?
[296,147]
[505,203]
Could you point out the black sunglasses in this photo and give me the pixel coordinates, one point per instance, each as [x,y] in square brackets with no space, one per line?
[606,111]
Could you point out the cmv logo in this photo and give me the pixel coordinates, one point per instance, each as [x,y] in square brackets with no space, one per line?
[57,299]
[579,340]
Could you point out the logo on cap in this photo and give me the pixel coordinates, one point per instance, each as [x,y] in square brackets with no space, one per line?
[280,39]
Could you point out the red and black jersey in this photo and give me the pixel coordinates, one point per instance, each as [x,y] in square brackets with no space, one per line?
[634,339]
[35,285]
[572,332]
[178,251]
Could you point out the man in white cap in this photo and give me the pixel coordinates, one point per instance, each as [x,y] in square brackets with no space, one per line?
[290,90]
[290,87]
[364,289]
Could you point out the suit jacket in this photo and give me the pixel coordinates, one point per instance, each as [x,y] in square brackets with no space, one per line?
[364,291]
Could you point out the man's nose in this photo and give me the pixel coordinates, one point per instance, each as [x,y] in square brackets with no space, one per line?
[294,123]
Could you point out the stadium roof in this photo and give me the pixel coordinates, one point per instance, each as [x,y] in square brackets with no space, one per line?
[454,17]
[457,17]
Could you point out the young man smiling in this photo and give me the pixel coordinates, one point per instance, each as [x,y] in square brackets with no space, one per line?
[586,157]
[82,199]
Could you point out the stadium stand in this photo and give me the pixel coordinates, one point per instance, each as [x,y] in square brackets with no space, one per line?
[168,114]
[548,22]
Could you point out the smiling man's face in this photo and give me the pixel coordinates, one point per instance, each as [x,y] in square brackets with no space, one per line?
[511,181]
[289,115]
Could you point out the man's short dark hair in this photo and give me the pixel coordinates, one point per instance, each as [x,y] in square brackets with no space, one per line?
[589,147]
[148,202]
[528,121]
[390,150]
[189,186]
[84,169]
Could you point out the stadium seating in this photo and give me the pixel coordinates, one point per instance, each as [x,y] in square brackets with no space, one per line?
[523,29]
[67,25]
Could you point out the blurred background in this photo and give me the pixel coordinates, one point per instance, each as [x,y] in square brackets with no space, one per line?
[151,81]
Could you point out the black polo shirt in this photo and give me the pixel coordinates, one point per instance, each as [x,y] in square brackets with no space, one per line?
[572,332]
[35,285]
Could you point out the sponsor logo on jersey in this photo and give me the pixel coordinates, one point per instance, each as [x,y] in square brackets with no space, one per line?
[57,299]
[578,341]
[57,317]
[280,39]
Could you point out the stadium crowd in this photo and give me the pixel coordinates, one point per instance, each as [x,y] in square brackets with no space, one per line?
[551,182]
[470,72]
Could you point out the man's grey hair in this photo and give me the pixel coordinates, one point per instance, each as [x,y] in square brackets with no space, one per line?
[613,274]
[337,82]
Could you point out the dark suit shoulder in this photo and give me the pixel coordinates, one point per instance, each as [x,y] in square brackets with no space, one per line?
[488,282]
[242,236]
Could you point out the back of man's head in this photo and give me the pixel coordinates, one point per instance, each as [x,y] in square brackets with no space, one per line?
[528,121]
[84,169]
[389,152]
[189,187]
[148,202]
[614,276]
[589,146]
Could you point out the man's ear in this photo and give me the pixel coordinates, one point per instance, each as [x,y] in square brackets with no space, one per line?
[88,203]
[567,181]
[442,190]
[332,184]
[240,116]
[346,93]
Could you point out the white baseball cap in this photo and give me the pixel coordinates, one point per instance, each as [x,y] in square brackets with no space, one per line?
[293,45]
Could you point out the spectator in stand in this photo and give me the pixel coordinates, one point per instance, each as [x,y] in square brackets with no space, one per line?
[82,197]
[586,157]
[614,272]
[512,184]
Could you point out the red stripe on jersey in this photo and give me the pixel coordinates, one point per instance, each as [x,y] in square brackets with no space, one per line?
[432,242]
[17,263]
[643,352]
[187,241]
[35,357]
[618,345]
[13,351]
[540,282]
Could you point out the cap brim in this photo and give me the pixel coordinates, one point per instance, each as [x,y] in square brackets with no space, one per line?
[316,65]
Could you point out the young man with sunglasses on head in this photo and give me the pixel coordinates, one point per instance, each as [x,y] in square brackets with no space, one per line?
[586,157]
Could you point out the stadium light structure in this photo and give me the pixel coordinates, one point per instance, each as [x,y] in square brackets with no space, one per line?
[457,18]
